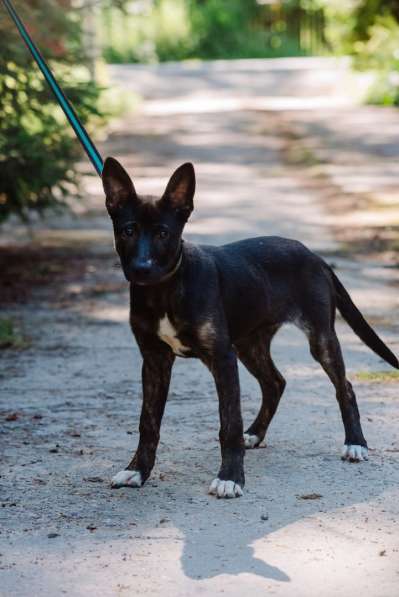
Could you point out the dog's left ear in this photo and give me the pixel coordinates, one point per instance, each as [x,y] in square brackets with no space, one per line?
[180,190]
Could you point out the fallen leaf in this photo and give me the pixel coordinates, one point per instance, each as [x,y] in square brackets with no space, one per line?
[12,417]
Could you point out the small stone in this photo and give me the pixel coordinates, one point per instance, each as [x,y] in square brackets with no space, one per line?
[264,517]
[53,535]
[91,527]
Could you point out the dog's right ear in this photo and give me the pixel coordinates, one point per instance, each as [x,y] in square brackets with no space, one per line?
[118,186]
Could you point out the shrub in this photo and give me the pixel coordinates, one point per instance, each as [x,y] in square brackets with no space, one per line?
[146,32]
[369,31]
[37,147]
[157,30]
[380,53]
[222,28]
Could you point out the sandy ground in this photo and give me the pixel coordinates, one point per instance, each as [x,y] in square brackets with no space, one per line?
[70,402]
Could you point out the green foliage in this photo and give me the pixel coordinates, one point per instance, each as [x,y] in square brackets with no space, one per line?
[378,376]
[178,29]
[368,12]
[369,31]
[37,146]
[339,24]
[159,31]
[10,336]
[380,53]
[223,28]
[172,30]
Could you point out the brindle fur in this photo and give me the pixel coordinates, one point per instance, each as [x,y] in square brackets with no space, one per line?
[224,302]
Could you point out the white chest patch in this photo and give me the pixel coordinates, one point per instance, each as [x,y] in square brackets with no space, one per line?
[168,334]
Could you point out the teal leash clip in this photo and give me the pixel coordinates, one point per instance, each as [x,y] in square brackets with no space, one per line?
[63,101]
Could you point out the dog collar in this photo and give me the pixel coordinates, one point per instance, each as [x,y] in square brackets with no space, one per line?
[174,269]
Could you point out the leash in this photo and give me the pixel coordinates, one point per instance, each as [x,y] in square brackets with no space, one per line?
[63,101]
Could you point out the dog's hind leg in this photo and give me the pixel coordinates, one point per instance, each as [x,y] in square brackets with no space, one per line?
[254,353]
[325,348]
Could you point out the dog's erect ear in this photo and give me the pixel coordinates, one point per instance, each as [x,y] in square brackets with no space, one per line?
[117,184]
[180,190]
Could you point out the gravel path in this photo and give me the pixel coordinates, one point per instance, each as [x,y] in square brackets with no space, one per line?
[308,524]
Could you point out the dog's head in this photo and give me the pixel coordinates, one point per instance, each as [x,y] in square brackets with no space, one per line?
[148,229]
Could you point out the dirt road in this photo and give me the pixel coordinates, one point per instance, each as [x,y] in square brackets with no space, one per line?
[308,524]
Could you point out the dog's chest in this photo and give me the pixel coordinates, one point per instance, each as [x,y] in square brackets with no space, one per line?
[168,334]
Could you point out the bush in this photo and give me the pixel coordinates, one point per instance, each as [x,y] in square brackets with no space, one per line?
[157,30]
[222,28]
[369,31]
[147,32]
[380,53]
[37,146]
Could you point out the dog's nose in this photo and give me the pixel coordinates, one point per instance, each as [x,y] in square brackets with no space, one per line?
[142,268]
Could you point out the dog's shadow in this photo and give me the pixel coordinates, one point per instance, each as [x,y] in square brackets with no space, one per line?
[220,537]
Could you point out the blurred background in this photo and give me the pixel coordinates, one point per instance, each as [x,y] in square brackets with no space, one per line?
[80,37]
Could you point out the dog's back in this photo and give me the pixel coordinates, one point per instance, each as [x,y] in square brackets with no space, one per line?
[269,280]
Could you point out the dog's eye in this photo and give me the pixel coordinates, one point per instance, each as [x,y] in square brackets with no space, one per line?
[162,233]
[129,230]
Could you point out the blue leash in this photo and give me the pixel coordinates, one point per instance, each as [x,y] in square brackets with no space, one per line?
[69,112]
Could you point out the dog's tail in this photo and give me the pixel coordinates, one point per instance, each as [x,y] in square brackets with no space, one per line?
[359,325]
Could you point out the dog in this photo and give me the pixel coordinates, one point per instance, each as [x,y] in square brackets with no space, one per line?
[220,304]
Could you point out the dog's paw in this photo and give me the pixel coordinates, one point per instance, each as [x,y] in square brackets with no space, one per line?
[225,489]
[354,453]
[127,479]
[251,441]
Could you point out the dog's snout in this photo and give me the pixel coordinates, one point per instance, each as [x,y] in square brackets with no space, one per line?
[142,268]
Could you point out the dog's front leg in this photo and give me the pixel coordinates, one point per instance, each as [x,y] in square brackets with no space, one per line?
[156,372]
[230,480]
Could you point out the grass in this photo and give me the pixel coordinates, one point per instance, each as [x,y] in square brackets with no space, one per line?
[10,335]
[378,376]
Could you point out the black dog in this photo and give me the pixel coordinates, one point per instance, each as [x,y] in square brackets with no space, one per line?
[217,304]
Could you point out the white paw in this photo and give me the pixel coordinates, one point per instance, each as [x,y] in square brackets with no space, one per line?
[225,489]
[127,479]
[251,441]
[354,453]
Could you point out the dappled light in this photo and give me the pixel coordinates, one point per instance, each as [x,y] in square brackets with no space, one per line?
[283,143]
